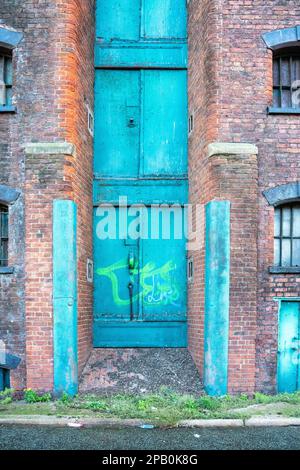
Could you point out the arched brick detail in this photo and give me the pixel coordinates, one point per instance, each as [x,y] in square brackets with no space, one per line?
[8,195]
[282,38]
[9,38]
[283,193]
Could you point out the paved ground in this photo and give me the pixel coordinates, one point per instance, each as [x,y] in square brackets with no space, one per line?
[36,438]
[138,371]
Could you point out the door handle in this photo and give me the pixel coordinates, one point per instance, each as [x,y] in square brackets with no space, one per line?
[131,122]
[131,261]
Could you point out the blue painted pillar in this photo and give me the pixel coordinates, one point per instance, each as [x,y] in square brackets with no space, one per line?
[65,297]
[217,286]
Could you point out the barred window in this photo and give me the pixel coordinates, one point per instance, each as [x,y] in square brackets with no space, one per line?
[5,79]
[287,235]
[3,236]
[286,78]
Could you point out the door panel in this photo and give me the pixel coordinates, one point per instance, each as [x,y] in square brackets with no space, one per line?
[124,19]
[155,314]
[164,19]
[164,267]
[164,115]
[118,19]
[140,152]
[117,121]
[288,350]
[112,274]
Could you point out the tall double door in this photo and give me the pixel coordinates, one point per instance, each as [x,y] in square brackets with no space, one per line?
[140,174]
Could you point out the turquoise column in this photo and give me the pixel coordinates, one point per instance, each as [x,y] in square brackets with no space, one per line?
[65,297]
[217,286]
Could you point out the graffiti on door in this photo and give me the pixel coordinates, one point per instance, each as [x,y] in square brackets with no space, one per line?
[157,284]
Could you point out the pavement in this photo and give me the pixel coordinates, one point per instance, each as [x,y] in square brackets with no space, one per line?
[140,371]
[18,437]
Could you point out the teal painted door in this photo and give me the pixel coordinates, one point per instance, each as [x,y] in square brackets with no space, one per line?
[289,347]
[140,155]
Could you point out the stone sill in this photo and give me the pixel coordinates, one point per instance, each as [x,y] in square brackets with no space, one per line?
[284,270]
[7,270]
[8,109]
[272,110]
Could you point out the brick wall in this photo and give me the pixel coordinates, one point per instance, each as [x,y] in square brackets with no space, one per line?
[53,85]
[203,56]
[231,107]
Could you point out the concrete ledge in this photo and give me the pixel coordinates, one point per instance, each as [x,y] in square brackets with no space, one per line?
[71,422]
[283,193]
[266,421]
[227,148]
[8,195]
[212,423]
[56,148]
[9,38]
[282,37]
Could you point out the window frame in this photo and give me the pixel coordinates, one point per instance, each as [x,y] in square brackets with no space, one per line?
[4,236]
[282,268]
[7,56]
[290,54]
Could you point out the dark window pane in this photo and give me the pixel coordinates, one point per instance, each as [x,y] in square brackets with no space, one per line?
[286,252]
[8,71]
[296,252]
[277,222]
[277,252]
[286,99]
[3,236]
[6,80]
[8,96]
[287,235]
[276,74]
[296,221]
[286,221]
[296,69]
[286,78]
[276,98]
[285,72]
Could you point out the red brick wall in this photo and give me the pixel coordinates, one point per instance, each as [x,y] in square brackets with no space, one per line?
[35,120]
[232,108]
[203,56]
[76,54]
[73,94]
[53,85]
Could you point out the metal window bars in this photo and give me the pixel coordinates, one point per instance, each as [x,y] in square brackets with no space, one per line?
[5,79]
[287,235]
[286,79]
[3,236]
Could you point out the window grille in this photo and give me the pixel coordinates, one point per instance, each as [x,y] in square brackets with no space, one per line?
[287,235]
[3,236]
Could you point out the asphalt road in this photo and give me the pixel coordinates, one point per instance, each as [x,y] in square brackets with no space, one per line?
[45,438]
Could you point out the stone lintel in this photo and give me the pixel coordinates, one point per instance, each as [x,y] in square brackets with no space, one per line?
[228,148]
[44,148]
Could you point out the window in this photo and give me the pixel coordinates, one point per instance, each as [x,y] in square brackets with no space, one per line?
[5,79]
[286,78]
[287,235]
[3,236]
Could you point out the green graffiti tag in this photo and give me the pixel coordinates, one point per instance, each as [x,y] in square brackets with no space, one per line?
[157,284]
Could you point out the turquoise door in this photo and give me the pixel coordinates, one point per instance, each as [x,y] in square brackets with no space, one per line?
[289,347]
[140,156]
